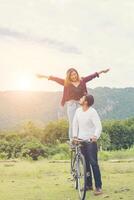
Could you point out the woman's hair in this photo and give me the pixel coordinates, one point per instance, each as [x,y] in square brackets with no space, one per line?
[89,99]
[68,74]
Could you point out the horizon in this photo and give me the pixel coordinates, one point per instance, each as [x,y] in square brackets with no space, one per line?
[62,91]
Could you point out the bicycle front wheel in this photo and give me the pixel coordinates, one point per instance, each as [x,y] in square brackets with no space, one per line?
[73,169]
[82,177]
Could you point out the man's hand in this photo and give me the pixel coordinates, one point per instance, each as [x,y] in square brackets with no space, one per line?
[93,139]
[74,140]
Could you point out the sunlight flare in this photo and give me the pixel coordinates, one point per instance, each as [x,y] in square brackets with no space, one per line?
[24,83]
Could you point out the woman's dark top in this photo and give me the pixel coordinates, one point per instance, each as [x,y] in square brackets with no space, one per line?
[72,92]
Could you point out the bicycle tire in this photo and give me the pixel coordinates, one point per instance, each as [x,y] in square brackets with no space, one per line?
[73,169]
[82,189]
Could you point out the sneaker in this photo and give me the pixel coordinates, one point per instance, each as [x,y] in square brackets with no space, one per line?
[98,191]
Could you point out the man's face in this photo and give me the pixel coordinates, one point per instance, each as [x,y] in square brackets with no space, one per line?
[82,101]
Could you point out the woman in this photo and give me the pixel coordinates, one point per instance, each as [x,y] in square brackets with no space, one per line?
[74,89]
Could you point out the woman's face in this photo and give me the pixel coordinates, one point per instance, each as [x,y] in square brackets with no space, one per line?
[73,76]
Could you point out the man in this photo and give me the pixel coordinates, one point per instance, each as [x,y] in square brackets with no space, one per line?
[87,126]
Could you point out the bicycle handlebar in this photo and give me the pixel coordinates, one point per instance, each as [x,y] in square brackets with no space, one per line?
[82,141]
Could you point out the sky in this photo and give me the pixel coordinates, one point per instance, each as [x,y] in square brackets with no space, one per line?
[50,36]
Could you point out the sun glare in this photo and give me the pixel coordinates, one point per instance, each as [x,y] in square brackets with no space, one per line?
[24,84]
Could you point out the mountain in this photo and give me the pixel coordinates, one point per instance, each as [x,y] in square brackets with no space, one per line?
[18,107]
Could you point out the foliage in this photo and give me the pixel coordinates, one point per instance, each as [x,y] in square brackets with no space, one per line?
[121,133]
[34,142]
[55,132]
[11,148]
[34,149]
[104,141]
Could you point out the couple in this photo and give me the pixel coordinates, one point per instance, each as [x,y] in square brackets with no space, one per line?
[84,122]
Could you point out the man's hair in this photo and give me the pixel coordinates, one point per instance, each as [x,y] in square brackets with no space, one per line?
[89,99]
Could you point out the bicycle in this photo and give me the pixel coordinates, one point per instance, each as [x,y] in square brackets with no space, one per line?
[78,168]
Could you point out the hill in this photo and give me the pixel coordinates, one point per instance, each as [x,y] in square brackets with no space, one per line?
[17,107]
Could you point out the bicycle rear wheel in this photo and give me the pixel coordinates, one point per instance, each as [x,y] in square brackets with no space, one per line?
[82,177]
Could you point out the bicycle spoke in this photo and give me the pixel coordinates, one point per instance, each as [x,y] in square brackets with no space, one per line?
[73,169]
[78,171]
[81,178]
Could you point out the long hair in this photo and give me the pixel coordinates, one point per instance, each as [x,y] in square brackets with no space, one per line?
[68,74]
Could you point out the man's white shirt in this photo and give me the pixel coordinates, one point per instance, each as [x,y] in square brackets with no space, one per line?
[86,124]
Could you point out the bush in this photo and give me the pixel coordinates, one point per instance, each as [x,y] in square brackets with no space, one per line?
[34,149]
[55,132]
[104,141]
[120,133]
[31,130]
[15,147]
[64,148]
[33,142]
[3,155]
[10,148]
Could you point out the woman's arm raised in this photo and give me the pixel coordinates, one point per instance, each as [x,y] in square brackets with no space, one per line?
[104,71]
[52,78]
[96,74]
[42,76]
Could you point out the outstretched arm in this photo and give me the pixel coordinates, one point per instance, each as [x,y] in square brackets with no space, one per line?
[96,74]
[42,76]
[56,79]
[104,71]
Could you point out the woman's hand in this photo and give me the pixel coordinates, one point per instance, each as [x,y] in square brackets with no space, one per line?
[104,71]
[42,76]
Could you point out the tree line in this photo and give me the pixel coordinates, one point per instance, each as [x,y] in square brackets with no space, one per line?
[32,141]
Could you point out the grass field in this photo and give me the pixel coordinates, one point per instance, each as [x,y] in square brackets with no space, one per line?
[44,180]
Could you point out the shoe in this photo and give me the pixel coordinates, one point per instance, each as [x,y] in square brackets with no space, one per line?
[98,191]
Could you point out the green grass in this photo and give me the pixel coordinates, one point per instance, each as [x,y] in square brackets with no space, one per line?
[63,153]
[120,154]
[43,180]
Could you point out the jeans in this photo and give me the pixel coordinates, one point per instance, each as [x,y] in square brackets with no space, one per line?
[89,150]
[71,109]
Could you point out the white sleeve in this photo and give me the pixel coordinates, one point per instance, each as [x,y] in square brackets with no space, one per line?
[75,127]
[97,123]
